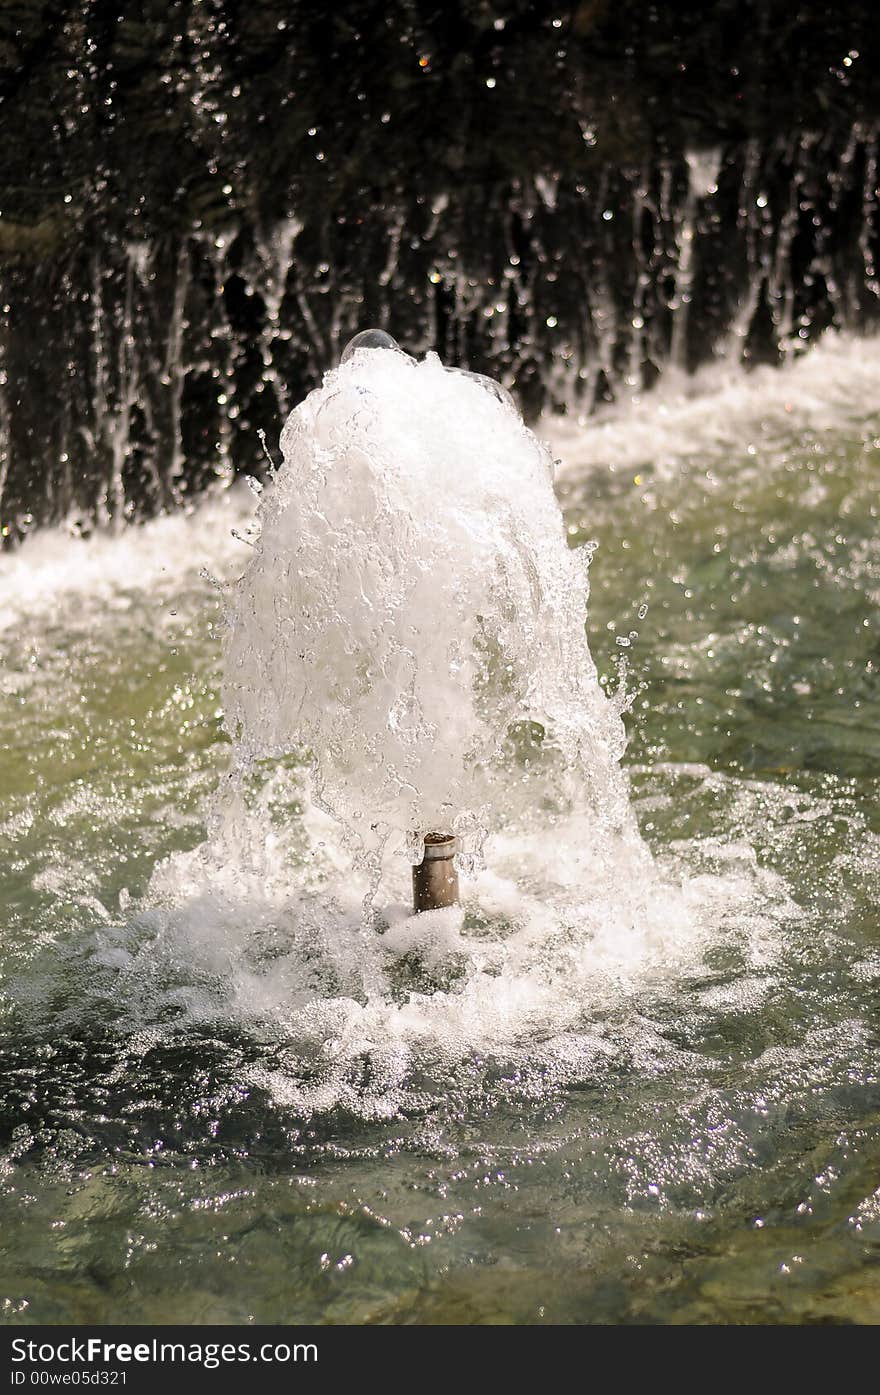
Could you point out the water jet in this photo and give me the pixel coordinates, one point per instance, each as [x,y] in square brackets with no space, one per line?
[410,605]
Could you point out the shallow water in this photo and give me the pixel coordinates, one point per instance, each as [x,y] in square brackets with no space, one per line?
[667,1114]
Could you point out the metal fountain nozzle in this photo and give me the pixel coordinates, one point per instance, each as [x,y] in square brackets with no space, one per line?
[435,879]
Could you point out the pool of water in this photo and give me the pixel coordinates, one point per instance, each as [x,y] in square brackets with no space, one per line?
[698,1140]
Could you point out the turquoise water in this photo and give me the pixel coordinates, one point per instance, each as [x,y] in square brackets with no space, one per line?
[714,1156]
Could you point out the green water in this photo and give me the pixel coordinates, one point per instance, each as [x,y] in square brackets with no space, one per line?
[721,1165]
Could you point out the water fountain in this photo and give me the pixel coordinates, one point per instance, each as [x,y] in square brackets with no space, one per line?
[600,1052]
[344,974]
[410,604]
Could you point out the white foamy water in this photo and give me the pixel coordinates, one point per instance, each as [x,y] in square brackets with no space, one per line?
[550,969]
[57,575]
[411,597]
[722,410]
[412,501]
[834,385]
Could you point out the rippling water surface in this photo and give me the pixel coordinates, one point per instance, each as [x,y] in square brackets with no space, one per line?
[207,1115]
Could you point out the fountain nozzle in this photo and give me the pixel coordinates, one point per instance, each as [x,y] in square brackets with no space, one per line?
[435,878]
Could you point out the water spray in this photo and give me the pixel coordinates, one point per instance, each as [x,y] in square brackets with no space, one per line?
[410,602]
[435,878]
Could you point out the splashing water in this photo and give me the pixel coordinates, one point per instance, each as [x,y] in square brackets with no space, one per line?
[411,601]
[405,650]
[410,629]
[406,647]
[610,1085]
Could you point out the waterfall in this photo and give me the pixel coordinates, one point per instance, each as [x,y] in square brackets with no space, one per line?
[702,167]
[141,370]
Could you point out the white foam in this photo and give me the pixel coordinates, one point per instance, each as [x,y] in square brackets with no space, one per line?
[720,409]
[58,574]
[724,409]
[410,598]
[262,928]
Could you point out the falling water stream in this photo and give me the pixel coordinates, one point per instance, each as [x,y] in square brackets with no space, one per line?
[634,1077]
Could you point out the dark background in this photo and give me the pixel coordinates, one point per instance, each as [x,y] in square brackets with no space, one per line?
[202,200]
